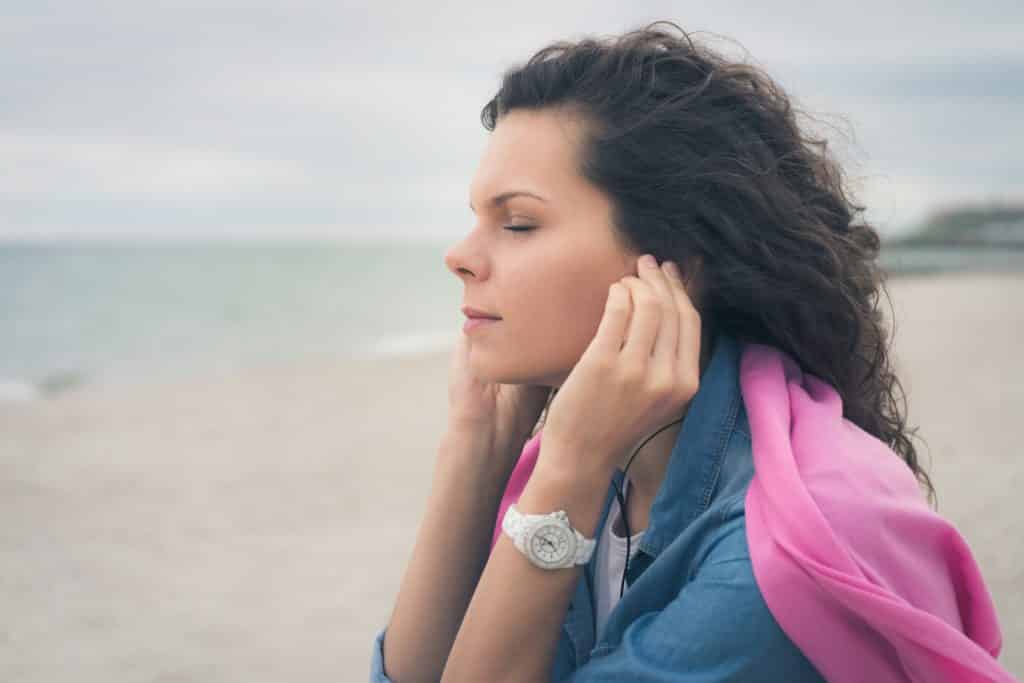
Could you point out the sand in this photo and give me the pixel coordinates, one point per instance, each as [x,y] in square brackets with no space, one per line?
[255,526]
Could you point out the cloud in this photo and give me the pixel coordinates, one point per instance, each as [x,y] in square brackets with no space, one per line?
[124,117]
[41,166]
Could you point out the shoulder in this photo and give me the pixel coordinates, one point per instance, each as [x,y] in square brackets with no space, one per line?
[730,626]
[714,626]
[721,597]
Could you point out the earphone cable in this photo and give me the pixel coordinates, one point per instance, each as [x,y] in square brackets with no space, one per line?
[622,501]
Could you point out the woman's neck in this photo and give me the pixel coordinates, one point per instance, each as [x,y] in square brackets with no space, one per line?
[647,470]
[646,473]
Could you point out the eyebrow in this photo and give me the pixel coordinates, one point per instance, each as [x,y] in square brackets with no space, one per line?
[500,199]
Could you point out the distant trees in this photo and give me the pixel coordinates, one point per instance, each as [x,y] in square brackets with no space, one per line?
[981,224]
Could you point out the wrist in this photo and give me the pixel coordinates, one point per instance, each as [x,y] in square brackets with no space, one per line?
[574,465]
[562,483]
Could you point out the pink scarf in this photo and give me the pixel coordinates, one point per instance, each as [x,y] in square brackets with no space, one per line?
[863,577]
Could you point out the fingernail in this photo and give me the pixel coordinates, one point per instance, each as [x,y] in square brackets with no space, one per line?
[648,260]
[673,269]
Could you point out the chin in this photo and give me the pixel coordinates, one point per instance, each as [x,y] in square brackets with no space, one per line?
[493,368]
[487,367]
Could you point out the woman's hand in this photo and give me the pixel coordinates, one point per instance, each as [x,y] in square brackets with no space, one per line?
[639,372]
[503,415]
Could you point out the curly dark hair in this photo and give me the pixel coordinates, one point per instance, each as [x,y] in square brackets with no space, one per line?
[702,157]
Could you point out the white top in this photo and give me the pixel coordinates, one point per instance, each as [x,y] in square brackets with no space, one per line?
[610,562]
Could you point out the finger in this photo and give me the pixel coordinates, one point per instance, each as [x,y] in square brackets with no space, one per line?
[643,328]
[668,330]
[688,351]
[615,321]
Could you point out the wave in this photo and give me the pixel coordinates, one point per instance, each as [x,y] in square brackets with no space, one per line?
[20,391]
[413,344]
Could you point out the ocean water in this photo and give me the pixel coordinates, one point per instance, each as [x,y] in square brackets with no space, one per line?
[108,313]
[85,313]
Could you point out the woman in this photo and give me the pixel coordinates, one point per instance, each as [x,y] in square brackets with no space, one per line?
[648,213]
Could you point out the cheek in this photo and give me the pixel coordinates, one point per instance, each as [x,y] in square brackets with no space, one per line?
[552,307]
[557,322]
[573,321]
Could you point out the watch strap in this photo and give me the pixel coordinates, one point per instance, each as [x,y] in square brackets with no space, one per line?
[584,548]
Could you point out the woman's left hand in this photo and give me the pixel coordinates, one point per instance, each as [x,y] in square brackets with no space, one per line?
[639,372]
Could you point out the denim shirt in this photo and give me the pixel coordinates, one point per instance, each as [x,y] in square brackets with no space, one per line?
[692,610]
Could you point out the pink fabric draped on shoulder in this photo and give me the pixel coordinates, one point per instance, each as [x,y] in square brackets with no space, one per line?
[860,573]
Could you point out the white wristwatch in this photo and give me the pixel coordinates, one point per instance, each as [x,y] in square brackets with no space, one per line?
[549,541]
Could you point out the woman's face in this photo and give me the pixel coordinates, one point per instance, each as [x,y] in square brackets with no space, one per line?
[548,284]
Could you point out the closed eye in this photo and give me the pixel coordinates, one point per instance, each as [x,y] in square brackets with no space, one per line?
[520,228]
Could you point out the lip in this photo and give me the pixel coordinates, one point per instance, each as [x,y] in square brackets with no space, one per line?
[474,323]
[474,313]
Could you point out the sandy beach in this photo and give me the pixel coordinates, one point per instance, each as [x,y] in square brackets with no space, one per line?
[254,526]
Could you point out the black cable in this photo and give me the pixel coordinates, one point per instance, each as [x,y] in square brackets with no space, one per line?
[622,501]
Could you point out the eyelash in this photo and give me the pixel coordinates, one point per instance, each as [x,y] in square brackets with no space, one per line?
[520,228]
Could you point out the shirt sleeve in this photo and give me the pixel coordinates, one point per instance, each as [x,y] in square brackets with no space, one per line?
[377,660]
[717,629]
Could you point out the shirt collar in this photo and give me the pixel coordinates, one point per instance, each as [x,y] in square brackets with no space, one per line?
[715,411]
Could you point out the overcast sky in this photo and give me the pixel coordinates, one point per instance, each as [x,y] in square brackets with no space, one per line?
[360,121]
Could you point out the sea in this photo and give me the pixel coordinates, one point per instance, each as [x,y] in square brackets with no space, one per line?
[86,313]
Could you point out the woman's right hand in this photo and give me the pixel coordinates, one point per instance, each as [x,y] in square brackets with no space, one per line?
[502,415]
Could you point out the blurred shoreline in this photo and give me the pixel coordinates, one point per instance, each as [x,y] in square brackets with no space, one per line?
[82,315]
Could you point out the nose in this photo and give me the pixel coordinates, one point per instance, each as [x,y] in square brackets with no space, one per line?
[464,260]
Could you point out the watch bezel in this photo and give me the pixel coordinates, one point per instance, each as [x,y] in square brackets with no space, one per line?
[535,528]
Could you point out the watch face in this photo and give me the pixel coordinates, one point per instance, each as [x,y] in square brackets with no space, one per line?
[551,544]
